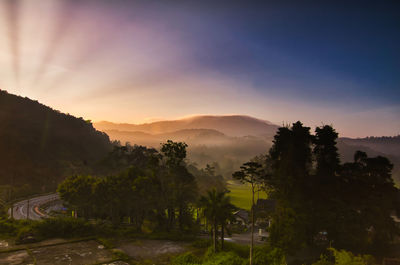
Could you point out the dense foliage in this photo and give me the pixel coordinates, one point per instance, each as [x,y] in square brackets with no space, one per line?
[155,186]
[320,201]
[234,254]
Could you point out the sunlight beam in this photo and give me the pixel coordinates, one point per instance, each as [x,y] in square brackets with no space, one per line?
[12,15]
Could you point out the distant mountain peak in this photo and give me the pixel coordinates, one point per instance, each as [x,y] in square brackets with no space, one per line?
[231,125]
[227,116]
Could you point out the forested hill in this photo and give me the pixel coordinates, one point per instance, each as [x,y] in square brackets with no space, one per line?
[385,144]
[40,145]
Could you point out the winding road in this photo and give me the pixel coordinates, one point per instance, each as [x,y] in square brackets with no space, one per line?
[21,209]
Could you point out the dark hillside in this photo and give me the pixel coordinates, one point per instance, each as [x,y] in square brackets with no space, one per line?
[40,145]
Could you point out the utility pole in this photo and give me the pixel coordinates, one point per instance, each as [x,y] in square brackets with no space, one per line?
[11,196]
[27,211]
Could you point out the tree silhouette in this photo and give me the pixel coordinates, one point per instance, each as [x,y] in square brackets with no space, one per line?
[217,209]
[251,173]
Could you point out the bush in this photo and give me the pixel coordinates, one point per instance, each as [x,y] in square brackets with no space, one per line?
[242,251]
[120,255]
[8,228]
[323,260]
[63,227]
[343,257]
[202,243]
[53,227]
[266,255]
[11,228]
[26,235]
[106,243]
[185,259]
[209,252]
[260,256]
[224,258]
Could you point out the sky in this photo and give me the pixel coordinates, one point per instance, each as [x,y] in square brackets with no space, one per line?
[320,62]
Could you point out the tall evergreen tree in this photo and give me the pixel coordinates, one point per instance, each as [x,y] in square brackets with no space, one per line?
[325,151]
[324,186]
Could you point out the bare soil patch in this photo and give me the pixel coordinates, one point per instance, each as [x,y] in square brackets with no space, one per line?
[4,244]
[77,253]
[85,252]
[159,251]
[20,257]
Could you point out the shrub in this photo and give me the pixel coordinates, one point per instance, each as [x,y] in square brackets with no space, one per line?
[106,243]
[276,256]
[323,260]
[224,258]
[8,228]
[53,227]
[242,251]
[202,243]
[267,255]
[185,259]
[120,255]
[63,227]
[26,235]
[343,257]
[11,228]
[261,256]
[209,252]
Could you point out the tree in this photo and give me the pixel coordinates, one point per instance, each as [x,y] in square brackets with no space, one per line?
[77,191]
[178,185]
[225,215]
[326,152]
[207,179]
[324,185]
[370,198]
[175,152]
[251,173]
[217,209]
[351,203]
[288,181]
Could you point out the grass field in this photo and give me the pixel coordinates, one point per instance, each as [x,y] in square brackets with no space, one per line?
[241,195]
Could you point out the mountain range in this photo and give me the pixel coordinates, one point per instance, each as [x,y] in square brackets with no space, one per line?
[233,139]
[232,125]
[39,145]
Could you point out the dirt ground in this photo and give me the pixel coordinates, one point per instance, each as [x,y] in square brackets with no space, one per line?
[9,244]
[158,251]
[4,244]
[116,263]
[16,258]
[84,252]
[91,252]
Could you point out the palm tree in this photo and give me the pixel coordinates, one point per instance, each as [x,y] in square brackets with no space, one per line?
[217,209]
[225,214]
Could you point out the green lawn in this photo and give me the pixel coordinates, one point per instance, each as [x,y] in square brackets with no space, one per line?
[241,195]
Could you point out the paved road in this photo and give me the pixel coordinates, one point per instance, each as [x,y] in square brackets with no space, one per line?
[21,207]
[245,238]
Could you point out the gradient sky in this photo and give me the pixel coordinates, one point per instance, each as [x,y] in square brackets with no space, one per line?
[321,62]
